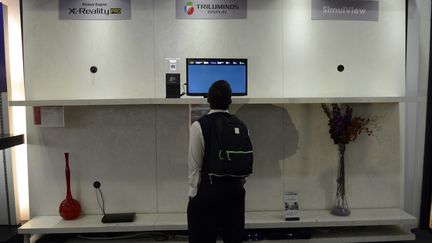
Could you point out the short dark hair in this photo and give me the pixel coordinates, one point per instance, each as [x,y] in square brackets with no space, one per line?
[219,95]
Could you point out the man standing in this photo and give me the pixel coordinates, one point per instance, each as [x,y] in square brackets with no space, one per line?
[220,158]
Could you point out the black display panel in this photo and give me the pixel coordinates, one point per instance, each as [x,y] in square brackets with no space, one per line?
[201,73]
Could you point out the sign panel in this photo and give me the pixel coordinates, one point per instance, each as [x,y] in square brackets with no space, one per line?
[366,10]
[291,204]
[95,9]
[197,111]
[48,116]
[211,9]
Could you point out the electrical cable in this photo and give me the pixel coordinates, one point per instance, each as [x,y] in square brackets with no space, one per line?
[183,89]
[97,186]
[102,199]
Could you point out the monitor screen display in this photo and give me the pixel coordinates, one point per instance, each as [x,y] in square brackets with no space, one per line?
[203,72]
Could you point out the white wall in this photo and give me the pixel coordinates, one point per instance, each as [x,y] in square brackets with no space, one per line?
[113,145]
[289,54]
[258,38]
[372,52]
[59,54]
[140,152]
[418,44]
[4,220]
[3,199]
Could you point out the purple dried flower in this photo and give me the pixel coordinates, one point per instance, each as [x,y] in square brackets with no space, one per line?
[343,127]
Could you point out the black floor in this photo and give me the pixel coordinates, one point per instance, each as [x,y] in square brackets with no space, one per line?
[8,234]
[422,236]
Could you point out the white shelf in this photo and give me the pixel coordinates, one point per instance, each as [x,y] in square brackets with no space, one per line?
[322,218]
[254,220]
[179,101]
[90,102]
[315,100]
[188,100]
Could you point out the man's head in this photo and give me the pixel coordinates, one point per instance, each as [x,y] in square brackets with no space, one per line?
[219,95]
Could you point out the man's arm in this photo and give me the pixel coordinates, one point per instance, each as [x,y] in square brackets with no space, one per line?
[196,155]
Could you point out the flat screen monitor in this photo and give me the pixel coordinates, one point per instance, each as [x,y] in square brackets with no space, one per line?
[201,73]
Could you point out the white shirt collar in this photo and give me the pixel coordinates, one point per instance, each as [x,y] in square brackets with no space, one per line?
[216,110]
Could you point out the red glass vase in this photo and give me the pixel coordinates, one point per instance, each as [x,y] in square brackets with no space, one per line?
[69,208]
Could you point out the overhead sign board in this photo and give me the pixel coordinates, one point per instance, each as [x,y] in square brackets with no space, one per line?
[95,9]
[363,10]
[211,9]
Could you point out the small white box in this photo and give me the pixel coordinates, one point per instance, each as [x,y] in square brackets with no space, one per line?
[291,205]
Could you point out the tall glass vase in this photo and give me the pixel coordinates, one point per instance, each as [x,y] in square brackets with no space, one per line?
[341,207]
[69,208]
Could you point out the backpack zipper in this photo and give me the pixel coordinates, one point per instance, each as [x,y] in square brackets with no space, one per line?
[235,152]
[220,154]
[240,176]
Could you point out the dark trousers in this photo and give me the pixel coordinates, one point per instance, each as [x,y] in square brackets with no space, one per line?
[218,207]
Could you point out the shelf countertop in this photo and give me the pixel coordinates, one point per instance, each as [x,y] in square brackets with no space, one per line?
[254,220]
[199,100]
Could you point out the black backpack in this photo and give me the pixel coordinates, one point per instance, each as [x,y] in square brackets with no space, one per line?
[230,153]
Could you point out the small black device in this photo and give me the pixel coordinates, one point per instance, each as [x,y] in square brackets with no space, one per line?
[111,217]
[173,85]
[118,217]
